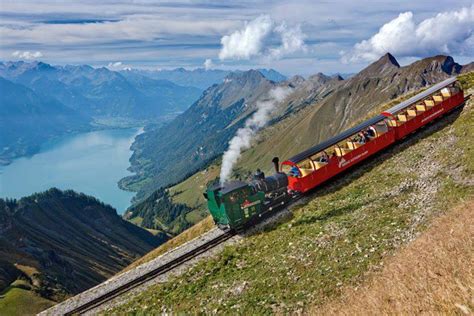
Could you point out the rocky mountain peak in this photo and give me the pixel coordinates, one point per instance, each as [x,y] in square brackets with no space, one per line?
[296,80]
[437,64]
[446,64]
[319,78]
[387,63]
[251,75]
[389,59]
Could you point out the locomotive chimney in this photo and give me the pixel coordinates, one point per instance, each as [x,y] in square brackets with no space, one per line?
[276,163]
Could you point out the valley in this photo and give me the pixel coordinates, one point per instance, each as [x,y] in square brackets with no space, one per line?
[41,102]
[318,108]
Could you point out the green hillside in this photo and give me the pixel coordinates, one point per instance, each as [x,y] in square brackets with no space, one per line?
[18,299]
[159,212]
[337,235]
[57,243]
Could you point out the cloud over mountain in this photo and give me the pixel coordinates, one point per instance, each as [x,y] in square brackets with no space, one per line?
[27,55]
[450,32]
[255,39]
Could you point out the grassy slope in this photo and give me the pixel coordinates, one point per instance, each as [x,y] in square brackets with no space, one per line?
[344,230]
[190,191]
[18,299]
[191,233]
[432,275]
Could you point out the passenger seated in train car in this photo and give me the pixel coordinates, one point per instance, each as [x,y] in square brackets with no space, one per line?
[319,160]
[366,135]
[294,172]
[324,157]
[362,138]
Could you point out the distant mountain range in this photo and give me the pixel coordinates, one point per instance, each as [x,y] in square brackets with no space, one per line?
[200,78]
[99,92]
[61,243]
[318,107]
[28,118]
[47,101]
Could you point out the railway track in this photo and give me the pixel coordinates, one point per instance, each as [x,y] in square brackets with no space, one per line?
[106,297]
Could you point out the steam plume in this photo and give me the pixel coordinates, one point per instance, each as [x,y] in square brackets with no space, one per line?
[244,135]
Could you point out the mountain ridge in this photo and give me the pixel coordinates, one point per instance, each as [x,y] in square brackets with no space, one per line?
[63,242]
[100,91]
[200,77]
[27,119]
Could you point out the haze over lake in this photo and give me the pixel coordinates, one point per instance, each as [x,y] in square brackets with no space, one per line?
[91,163]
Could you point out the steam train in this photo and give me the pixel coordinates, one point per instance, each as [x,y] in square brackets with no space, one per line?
[238,204]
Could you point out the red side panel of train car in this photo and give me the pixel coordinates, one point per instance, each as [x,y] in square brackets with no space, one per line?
[338,164]
[427,116]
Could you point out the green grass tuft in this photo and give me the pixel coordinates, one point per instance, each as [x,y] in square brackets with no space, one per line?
[18,300]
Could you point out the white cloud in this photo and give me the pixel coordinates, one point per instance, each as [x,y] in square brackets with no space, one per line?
[253,40]
[446,33]
[292,39]
[27,54]
[248,42]
[208,64]
[117,64]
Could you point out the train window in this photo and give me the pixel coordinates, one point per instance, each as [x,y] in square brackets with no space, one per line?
[429,102]
[306,164]
[285,169]
[320,159]
[306,167]
[380,128]
[331,152]
[235,196]
[343,147]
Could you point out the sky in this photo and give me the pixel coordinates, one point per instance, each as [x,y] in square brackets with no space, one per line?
[293,37]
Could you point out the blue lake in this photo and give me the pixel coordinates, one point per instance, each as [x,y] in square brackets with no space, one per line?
[91,163]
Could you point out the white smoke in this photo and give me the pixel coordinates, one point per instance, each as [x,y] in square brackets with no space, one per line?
[243,137]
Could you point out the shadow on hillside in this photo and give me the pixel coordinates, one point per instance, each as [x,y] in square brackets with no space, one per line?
[362,168]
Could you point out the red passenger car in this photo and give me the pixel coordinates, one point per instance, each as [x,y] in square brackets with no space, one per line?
[322,162]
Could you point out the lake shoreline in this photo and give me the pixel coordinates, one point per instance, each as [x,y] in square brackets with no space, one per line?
[92,162]
[98,124]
